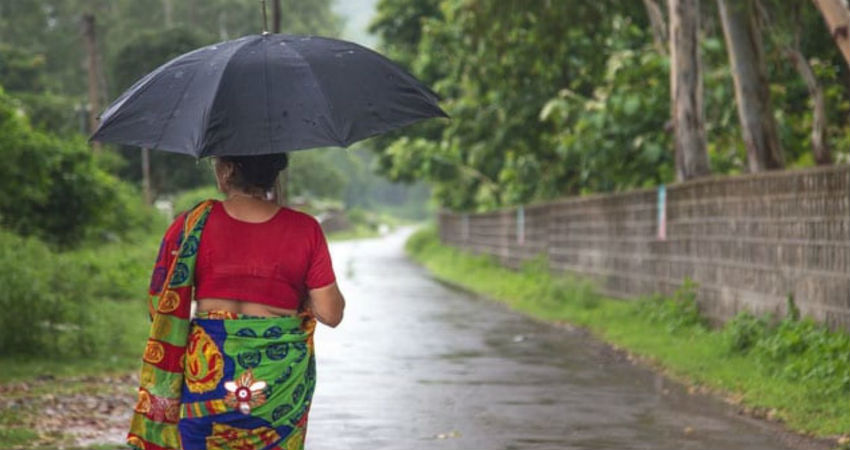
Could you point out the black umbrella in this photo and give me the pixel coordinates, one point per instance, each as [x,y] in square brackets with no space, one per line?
[264,94]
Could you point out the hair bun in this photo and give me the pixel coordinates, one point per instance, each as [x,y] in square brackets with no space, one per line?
[281,162]
[257,171]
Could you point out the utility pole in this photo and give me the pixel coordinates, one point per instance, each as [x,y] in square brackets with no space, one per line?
[93,71]
[168,13]
[282,188]
[275,16]
[146,175]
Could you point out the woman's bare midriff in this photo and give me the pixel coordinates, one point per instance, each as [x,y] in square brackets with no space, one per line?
[241,307]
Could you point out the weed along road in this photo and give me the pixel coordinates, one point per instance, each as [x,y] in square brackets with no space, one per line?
[419,365]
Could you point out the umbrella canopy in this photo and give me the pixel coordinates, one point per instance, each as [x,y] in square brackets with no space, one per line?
[267,93]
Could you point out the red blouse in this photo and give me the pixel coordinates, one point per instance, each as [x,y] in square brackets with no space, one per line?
[275,262]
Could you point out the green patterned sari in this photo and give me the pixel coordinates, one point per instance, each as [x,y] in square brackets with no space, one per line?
[222,380]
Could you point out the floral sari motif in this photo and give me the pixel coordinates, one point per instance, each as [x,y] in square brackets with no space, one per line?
[260,402]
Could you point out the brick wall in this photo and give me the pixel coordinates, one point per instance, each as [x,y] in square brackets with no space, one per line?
[748,241]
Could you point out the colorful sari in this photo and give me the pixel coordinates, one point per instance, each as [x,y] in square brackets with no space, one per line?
[223,380]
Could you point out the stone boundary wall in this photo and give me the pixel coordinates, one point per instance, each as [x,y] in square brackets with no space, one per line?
[749,241]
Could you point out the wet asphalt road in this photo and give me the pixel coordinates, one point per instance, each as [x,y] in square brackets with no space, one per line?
[418,365]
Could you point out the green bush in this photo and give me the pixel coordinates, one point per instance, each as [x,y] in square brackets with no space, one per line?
[56,113]
[418,242]
[795,349]
[64,304]
[676,313]
[804,351]
[54,188]
[744,331]
[119,271]
[41,300]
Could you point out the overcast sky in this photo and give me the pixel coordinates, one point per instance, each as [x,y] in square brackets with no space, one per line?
[357,14]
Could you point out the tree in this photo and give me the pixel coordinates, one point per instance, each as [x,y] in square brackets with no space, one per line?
[93,58]
[275,16]
[160,171]
[837,17]
[55,189]
[659,29]
[686,90]
[746,58]
[398,23]
[784,24]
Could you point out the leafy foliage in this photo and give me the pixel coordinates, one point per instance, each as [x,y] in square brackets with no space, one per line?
[51,28]
[68,304]
[797,350]
[399,25]
[675,313]
[562,98]
[55,189]
[616,137]
[21,70]
[43,53]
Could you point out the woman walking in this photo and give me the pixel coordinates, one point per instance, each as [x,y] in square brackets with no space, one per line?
[241,373]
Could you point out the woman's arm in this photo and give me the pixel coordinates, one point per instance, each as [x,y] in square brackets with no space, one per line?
[325,300]
[327,304]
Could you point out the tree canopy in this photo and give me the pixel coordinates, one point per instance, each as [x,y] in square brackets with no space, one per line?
[561,98]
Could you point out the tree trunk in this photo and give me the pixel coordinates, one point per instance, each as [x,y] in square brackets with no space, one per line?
[659,29]
[146,175]
[758,126]
[282,188]
[167,12]
[93,71]
[820,147]
[192,9]
[837,17]
[686,90]
[275,16]
[223,34]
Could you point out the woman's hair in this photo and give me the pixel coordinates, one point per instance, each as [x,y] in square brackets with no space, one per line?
[256,171]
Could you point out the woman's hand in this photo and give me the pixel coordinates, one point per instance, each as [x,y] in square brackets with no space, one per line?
[327,304]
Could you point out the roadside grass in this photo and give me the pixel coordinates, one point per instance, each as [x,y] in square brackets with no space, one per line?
[124,324]
[74,306]
[30,379]
[15,437]
[783,369]
[69,317]
[355,232]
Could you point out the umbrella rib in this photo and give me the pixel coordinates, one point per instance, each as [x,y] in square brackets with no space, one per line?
[143,84]
[325,97]
[174,108]
[203,147]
